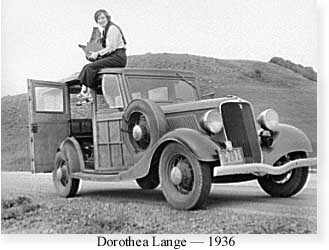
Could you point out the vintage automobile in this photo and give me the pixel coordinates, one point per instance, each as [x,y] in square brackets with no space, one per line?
[152,126]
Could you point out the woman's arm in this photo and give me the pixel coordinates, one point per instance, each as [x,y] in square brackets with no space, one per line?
[113,41]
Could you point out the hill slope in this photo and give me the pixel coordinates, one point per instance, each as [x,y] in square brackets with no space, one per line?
[14,133]
[307,72]
[264,84]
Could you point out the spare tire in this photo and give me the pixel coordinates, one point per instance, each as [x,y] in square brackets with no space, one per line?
[143,124]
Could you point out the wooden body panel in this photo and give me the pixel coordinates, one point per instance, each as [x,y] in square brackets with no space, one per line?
[112,153]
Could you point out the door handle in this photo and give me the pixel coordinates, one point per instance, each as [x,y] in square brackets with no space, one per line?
[34,128]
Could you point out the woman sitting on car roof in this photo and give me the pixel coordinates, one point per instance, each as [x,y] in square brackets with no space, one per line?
[113,53]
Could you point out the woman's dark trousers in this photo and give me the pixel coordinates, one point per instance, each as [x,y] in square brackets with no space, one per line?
[89,72]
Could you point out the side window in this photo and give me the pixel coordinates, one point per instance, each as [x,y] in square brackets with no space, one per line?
[162,89]
[49,99]
[159,94]
[183,91]
[111,91]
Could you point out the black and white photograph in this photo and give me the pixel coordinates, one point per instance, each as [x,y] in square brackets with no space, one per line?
[159,118]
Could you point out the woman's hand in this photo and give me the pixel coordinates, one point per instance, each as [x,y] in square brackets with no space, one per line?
[93,55]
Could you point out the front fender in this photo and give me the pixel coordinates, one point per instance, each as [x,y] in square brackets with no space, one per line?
[200,145]
[288,139]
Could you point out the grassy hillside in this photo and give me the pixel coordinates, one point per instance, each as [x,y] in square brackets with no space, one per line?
[307,72]
[14,133]
[264,84]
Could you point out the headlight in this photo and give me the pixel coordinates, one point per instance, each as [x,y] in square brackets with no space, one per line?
[212,121]
[268,119]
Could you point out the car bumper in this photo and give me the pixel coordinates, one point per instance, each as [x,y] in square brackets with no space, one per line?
[261,169]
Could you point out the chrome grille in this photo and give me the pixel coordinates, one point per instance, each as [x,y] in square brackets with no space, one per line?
[240,129]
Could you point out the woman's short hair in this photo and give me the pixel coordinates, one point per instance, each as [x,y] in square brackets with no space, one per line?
[101,11]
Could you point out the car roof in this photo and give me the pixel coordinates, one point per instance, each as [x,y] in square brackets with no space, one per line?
[73,79]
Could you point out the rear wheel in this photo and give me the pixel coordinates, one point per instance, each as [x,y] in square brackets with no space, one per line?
[287,184]
[185,181]
[65,185]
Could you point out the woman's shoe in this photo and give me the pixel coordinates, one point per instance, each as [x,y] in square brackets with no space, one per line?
[84,91]
[84,101]
[82,95]
[79,96]
[84,98]
[87,96]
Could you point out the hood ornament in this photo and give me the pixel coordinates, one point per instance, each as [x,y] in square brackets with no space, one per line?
[228,145]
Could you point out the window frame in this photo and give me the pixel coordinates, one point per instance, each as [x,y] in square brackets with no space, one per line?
[105,76]
[49,86]
[128,77]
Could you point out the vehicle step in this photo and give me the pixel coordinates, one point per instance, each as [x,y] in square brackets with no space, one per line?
[97,176]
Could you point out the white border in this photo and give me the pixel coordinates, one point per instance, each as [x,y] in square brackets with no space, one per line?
[320,240]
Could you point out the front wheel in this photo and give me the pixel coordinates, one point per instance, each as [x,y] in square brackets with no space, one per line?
[185,181]
[287,184]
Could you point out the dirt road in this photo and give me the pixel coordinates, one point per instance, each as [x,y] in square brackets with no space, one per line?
[30,205]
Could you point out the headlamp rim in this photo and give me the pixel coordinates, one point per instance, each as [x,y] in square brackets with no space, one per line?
[205,121]
[261,119]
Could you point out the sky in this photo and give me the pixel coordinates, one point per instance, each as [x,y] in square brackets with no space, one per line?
[39,38]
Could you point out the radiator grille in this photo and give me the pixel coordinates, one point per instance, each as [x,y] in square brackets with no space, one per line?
[240,129]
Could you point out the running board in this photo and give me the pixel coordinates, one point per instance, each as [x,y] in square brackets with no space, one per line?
[261,169]
[97,177]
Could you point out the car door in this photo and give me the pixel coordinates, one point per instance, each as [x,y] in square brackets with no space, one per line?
[49,115]
[111,153]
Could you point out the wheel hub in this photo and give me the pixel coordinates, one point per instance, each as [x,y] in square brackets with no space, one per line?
[176,175]
[181,175]
[59,174]
[62,174]
[137,132]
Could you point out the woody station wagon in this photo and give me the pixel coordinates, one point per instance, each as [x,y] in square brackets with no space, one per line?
[153,126]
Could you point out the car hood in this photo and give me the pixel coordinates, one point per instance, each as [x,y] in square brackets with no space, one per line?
[197,105]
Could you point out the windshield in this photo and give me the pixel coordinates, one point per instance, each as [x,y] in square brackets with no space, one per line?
[161,90]
[111,91]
